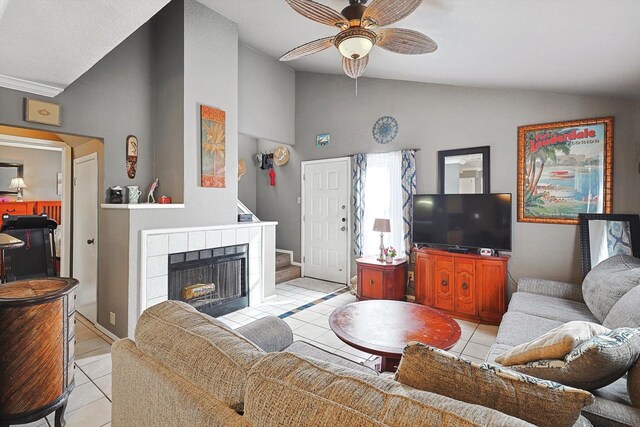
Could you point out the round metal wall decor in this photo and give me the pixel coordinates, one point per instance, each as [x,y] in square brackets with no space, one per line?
[385,130]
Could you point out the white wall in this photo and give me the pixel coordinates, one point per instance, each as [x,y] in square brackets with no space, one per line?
[247,150]
[40,169]
[266,97]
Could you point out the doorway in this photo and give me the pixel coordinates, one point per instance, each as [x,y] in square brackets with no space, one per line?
[85,234]
[325,218]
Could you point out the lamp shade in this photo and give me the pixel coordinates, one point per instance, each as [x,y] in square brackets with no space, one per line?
[17,183]
[382,225]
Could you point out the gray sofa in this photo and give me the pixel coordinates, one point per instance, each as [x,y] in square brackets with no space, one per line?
[612,294]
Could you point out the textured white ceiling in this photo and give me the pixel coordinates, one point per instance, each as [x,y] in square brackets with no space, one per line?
[53,42]
[568,46]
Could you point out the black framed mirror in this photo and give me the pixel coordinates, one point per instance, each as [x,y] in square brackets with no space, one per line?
[605,235]
[464,171]
[8,171]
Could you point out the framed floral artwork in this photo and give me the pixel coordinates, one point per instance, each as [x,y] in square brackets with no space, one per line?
[564,169]
[212,135]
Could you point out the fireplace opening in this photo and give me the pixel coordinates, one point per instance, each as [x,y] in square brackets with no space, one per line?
[214,281]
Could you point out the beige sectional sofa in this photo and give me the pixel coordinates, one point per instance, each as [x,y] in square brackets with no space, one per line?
[188,369]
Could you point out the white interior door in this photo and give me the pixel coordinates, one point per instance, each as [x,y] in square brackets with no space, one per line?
[85,235]
[325,219]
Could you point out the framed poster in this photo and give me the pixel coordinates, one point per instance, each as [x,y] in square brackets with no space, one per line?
[212,135]
[564,169]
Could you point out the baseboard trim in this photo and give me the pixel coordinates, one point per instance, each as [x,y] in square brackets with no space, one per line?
[106,332]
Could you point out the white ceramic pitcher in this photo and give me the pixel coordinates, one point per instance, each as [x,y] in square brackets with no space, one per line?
[134,194]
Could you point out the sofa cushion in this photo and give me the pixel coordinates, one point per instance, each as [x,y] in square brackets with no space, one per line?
[549,307]
[199,348]
[593,364]
[495,351]
[305,349]
[608,281]
[612,407]
[633,384]
[288,390]
[431,369]
[625,312]
[517,328]
[555,344]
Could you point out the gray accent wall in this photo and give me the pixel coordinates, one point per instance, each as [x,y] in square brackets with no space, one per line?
[40,170]
[266,97]
[247,185]
[438,117]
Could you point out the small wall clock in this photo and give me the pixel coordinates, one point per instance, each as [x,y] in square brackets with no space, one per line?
[385,130]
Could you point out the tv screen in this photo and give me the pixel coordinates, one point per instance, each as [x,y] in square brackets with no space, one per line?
[465,220]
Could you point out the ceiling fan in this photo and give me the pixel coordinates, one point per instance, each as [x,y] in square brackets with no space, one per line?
[360,30]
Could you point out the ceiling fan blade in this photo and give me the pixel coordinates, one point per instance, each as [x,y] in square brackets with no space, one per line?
[354,68]
[319,13]
[385,12]
[408,42]
[308,49]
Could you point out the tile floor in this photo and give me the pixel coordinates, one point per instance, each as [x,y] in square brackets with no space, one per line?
[90,402]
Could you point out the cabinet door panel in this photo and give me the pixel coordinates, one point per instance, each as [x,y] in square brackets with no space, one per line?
[423,277]
[465,289]
[444,283]
[492,301]
[372,284]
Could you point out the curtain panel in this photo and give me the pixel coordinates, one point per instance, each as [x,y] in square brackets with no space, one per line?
[408,190]
[359,174]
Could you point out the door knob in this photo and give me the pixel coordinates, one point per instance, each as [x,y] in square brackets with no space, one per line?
[343,228]
[344,219]
[91,241]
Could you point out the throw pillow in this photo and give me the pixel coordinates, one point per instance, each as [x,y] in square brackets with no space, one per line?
[608,281]
[555,344]
[593,364]
[530,399]
[625,312]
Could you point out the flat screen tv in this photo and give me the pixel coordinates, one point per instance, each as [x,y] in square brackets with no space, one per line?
[463,220]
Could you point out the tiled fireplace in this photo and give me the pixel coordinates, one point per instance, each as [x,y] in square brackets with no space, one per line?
[252,243]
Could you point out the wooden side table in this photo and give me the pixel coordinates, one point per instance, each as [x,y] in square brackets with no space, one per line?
[37,333]
[381,280]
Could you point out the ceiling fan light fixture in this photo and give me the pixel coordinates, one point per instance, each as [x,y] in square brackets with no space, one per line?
[355,42]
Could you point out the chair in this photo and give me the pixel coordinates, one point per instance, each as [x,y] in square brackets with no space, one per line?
[36,259]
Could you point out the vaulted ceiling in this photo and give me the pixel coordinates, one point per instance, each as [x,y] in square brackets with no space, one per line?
[568,46]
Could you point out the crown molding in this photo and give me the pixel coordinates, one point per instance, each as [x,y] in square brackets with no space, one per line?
[29,86]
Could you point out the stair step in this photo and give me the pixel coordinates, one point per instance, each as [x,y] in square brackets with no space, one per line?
[282,259]
[289,272]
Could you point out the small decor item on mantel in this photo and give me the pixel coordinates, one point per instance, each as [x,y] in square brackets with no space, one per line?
[115,195]
[132,156]
[385,130]
[164,200]
[134,194]
[212,138]
[389,254]
[152,189]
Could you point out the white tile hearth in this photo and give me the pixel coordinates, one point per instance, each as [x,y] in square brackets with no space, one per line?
[158,245]
[196,240]
[213,238]
[178,242]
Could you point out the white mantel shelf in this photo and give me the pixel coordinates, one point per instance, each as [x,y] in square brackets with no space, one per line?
[210,227]
[142,206]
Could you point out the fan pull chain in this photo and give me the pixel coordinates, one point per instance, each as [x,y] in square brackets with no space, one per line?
[356,86]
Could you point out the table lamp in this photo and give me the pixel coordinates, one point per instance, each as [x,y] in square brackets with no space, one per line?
[19,184]
[382,225]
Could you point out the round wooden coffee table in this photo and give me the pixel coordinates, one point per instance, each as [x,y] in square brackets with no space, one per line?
[384,328]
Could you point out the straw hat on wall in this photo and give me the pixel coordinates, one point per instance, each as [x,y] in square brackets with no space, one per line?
[281,156]
[242,169]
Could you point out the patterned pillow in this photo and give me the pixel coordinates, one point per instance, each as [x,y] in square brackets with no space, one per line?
[522,396]
[593,364]
[555,344]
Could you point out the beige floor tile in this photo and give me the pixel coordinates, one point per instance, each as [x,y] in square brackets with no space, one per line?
[79,376]
[350,356]
[98,369]
[83,395]
[95,414]
[104,384]
[93,356]
[322,308]
[330,339]
[322,321]
[467,324]
[478,351]
[484,337]
[306,315]
[294,323]
[457,349]
[85,346]
[310,331]
[40,423]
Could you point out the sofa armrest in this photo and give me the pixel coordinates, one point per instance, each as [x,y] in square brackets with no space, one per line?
[552,288]
[269,333]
